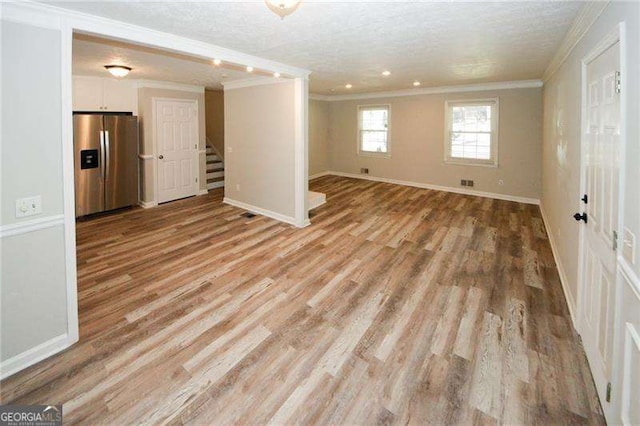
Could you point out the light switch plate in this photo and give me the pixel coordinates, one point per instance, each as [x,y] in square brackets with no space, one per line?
[28,206]
[629,246]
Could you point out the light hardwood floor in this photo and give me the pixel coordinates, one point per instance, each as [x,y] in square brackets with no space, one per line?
[397,305]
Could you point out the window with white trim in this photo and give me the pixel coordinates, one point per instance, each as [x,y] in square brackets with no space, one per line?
[472,132]
[373,130]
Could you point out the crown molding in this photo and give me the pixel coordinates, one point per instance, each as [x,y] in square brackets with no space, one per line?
[518,84]
[49,16]
[251,82]
[581,24]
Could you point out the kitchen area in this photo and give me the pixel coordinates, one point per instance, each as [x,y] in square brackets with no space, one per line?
[139,125]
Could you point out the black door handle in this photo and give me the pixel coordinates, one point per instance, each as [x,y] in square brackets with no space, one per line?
[580,217]
[585,199]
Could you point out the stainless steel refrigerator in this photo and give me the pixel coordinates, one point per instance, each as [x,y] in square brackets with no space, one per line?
[106,162]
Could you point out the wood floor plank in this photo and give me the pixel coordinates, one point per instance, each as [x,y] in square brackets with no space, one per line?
[397,305]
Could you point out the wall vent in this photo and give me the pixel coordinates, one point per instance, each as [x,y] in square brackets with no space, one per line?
[364,170]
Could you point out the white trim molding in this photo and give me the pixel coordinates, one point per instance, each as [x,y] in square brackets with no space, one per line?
[251,82]
[319,175]
[146,157]
[463,88]
[147,204]
[484,194]
[31,225]
[153,84]
[301,151]
[258,210]
[564,281]
[581,24]
[34,355]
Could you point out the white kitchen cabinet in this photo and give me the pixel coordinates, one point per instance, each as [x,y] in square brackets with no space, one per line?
[104,94]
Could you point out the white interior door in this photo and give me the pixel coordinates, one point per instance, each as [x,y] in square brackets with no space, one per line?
[596,316]
[177,147]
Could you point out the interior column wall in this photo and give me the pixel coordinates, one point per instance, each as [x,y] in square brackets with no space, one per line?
[260,148]
[33,271]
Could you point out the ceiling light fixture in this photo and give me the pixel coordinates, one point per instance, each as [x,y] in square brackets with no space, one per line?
[276,74]
[118,70]
[217,62]
[386,73]
[249,69]
[348,86]
[283,8]
[416,83]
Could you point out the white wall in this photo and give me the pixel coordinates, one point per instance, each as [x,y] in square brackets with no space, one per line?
[318,137]
[33,278]
[260,144]
[561,141]
[561,187]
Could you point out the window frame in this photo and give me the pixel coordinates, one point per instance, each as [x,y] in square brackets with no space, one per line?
[362,152]
[495,126]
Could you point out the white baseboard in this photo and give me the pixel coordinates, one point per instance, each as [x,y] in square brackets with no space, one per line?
[563,276]
[435,187]
[264,212]
[147,204]
[36,354]
[202,192]
[319,175]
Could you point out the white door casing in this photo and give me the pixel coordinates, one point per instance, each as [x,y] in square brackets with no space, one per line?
[600,173]
[176,144]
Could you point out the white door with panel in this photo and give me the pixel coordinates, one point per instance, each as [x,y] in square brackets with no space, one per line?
[176,135]
[601,177]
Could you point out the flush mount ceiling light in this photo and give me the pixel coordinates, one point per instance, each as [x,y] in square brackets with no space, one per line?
[348,86]
[118,70]
[217,62]
[416,83]
[276,74]
[283,8]
[386,73]
[249,69]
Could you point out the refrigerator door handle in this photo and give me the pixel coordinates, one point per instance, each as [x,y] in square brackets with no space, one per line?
[107,159]
[103,153]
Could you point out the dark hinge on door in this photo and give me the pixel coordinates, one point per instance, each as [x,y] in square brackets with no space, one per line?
[615,240]
[618,82]
[608,392]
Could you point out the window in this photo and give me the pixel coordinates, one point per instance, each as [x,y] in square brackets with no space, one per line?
[373,130]
[472,132]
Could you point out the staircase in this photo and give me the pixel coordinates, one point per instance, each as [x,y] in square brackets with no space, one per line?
[215,169]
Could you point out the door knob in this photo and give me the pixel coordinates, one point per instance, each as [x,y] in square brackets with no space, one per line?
[580,217]
[161,156]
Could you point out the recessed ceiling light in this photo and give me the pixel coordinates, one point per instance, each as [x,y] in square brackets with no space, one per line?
[217,62]
[348,86]
[118,70]
[276,74]
[249,69]
[386,73]
[416,83]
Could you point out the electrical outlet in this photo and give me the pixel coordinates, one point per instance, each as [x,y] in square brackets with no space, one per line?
[364,170]
[28,206]
[463,182]
[469,183]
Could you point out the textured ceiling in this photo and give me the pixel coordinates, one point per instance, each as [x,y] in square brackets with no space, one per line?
[91,54]
[438,43]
